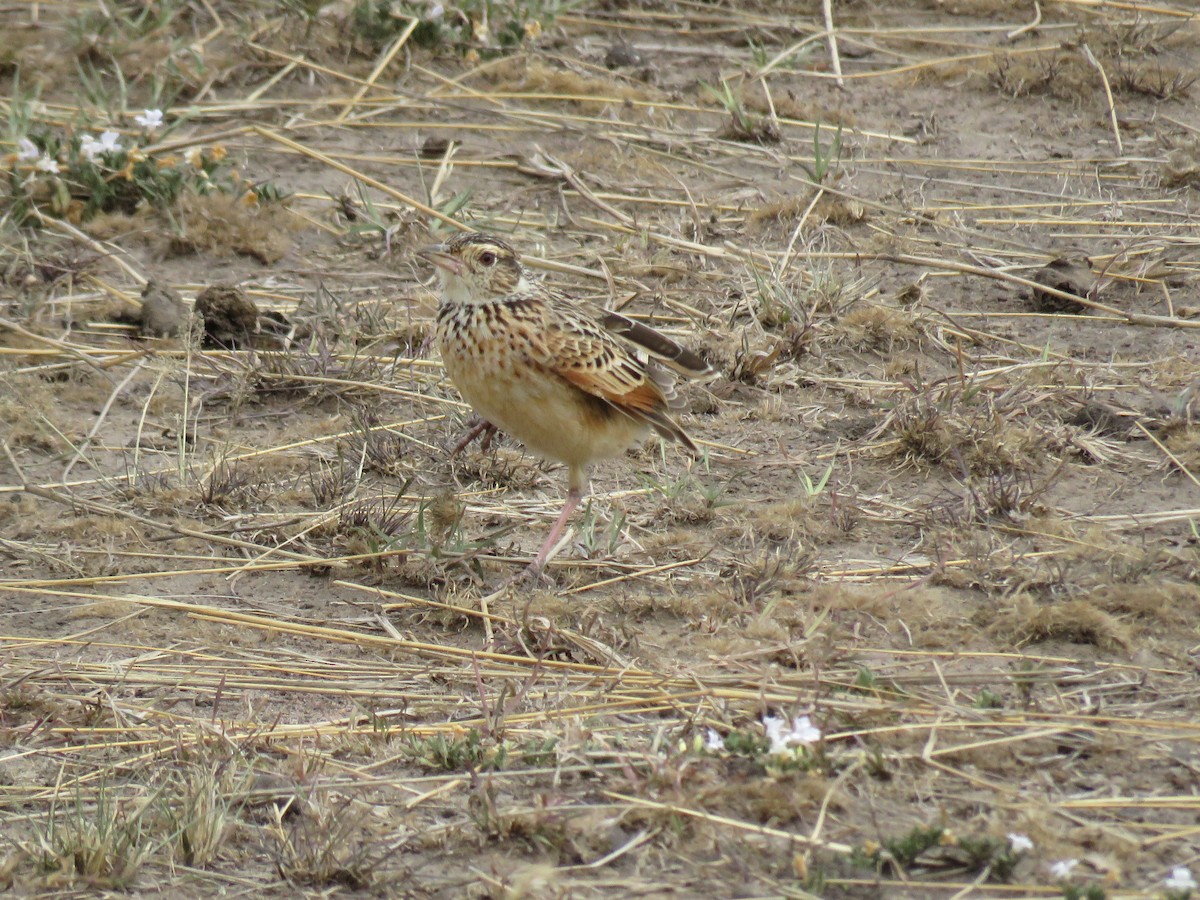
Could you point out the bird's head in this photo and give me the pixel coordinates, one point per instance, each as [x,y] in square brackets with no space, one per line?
[477,268]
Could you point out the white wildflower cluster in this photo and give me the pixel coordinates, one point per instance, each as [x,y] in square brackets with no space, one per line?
[92,148]
[784,739]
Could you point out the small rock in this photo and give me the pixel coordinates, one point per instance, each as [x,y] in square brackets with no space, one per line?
[230,317]
[622,55]
[1182,168]
[164,314]
[1071,275]
[435,147]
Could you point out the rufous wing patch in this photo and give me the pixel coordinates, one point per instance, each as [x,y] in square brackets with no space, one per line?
[645,397]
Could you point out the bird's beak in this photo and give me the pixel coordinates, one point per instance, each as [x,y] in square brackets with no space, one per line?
[438,255]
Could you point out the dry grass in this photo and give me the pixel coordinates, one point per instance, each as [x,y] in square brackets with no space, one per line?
[947,510]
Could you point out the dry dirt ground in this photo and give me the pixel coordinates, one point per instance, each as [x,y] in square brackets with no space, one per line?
[949,516]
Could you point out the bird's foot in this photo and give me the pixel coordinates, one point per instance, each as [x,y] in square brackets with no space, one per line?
[481,428]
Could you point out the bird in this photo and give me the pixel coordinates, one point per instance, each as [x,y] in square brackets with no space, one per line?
[575,384]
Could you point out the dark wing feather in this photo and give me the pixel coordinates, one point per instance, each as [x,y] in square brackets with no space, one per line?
[661,347]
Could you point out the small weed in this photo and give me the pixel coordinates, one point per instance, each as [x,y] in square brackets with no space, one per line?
[455,754]
[380,522]
[1177,893]
[811,489]
[103,842]
[538,753]
[1083,892]
[367,221]
[960,425]
[438,526]
[985,699]
[936,847]
[379,450]
[798,314]
[225,483]
[198,816]
[330,481]
[761,56]
[906,848]
[824,159]
[866,681]
[767,573]
[754,744]
[688,499]
[1158,82]
[901,851]
[471,25]
[877,764]
[742,125]
[599,539]
[329,847]
[746,743]
[758,53]
[309,10]
[784,311]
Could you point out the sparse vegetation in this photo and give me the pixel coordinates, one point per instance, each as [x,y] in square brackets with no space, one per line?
[939,543]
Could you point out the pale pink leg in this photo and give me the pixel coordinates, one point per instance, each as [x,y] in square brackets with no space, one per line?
[574,496]
[539,561]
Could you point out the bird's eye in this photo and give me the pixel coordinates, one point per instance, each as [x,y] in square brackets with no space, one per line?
[488,258]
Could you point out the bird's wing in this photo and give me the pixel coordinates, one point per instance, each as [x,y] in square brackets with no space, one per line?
[576,347]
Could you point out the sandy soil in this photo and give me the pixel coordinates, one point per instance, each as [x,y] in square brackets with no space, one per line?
[253,637]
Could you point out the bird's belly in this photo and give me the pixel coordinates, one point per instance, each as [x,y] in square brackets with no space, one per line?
[550,416]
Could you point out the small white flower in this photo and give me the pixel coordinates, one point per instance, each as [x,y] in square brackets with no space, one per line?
[109,142]
[1180,880]
[802,732]
[90,147]
[436,12]
[774,727]
[713,741]
[1062,869]
[1019,843]
[150,119]
[27,150]
[47,164]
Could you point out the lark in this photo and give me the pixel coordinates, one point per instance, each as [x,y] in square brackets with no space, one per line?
[573,384]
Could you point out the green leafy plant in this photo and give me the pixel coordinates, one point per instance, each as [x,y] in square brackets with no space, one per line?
[824,159]
[78,175]
[103,841]
[455,754]
[476,25]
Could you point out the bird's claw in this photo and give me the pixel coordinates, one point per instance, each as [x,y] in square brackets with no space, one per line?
[482,428]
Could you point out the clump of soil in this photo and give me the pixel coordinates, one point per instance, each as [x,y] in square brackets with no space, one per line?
[230,317]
